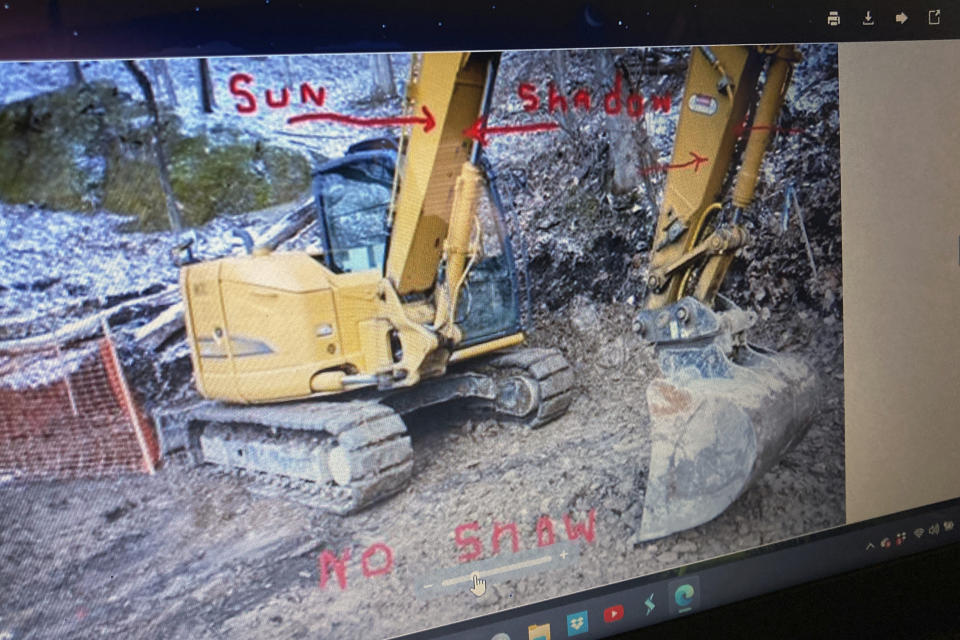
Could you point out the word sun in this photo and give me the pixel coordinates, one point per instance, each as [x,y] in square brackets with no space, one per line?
[242,83]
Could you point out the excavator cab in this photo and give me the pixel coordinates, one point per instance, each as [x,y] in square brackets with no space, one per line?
[352,196]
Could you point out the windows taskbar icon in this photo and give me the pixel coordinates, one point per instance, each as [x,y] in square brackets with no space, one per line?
[577,623]
[684,594]
[538,632]
[613,614]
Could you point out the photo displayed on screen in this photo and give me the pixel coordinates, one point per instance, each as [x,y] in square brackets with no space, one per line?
[358,345]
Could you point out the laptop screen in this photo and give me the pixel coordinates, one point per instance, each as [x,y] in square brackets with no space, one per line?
[511,342]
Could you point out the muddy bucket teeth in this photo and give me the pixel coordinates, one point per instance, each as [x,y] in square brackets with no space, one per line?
[719,423]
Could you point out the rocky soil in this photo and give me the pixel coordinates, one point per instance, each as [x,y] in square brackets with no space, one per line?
[191,553]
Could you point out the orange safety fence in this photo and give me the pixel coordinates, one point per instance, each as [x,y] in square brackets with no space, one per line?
[69,413]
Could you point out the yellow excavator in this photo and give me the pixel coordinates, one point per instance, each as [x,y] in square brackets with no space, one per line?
[310,358]
[412,291]
[723,411]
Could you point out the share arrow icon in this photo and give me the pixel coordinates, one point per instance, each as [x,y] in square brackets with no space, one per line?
[650,605]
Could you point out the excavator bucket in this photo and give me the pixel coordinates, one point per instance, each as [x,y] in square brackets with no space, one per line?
[721,415]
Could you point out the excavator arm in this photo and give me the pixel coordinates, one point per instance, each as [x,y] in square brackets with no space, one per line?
[698,232]
[437,186]
[723,411]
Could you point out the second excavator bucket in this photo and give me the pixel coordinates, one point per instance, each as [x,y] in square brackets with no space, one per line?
[722,413]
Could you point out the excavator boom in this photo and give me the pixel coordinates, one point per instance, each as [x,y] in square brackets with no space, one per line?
[723,411]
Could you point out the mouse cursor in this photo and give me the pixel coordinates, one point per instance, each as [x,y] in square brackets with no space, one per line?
[479,585]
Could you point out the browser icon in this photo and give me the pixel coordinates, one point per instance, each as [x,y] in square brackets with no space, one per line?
[684,594]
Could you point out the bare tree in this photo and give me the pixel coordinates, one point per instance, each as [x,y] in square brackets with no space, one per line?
[559,61]
[76,73]
[207,98]
[384,87]
[621,128]
[161,74]
[173,210]
[287,72]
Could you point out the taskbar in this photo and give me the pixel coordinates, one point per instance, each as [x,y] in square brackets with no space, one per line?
[633,604]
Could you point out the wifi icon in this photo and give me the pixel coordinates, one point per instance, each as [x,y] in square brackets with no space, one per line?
[918,531]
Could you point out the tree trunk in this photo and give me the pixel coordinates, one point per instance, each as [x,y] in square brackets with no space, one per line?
[384,87]
[207,99]
[559,59]
[624,150]
[76,73]
[288,73]
[162,75]
[173,211]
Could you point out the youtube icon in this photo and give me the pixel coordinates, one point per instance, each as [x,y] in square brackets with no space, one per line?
[613,614]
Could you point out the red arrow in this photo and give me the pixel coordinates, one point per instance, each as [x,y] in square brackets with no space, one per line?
[479,130]
[742,128]
[427,121]
[696,162]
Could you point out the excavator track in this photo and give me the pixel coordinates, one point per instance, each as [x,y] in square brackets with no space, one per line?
[341,456]
[543,385]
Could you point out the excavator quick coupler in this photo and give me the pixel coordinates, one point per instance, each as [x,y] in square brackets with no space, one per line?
[723,412]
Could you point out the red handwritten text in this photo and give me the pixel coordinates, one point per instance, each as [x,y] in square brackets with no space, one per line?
[241,85]
[695,163]
[427,120]
[376,560]
[742,128]
[614,102]
[479,130]
[545,533]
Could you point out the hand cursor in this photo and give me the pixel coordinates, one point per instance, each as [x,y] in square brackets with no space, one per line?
[479,585]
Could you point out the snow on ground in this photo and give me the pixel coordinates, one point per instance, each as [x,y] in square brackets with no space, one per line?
[188,553]
[346,78]
[46,256]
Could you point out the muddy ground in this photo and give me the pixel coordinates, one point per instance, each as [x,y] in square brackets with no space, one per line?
[188,553]
[191,553]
